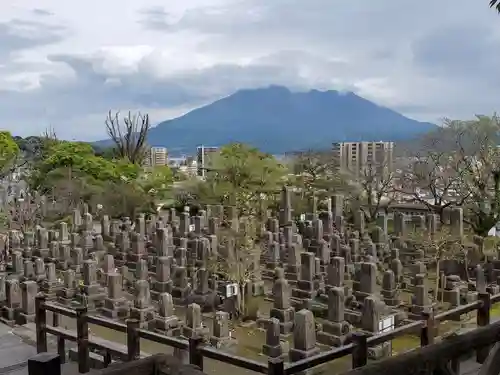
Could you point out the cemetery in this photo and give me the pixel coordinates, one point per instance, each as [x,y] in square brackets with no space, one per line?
[311,285]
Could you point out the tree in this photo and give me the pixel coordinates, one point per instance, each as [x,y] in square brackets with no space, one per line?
[316,175]
[238,261]
[478,150]
[244,177]
[9,152]
[440,246]
[77,158]
[129,136]
[434,175]
[157,182]
[373,189]
[495,4]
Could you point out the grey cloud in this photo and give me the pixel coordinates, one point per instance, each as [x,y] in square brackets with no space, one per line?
[42,12]
[155,18]
[17,35]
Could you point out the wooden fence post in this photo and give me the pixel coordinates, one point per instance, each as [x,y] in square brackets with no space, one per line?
[82,339]
[41,323]
[428,329]
[483,319]
[360,352]
[276,366]
[61,343]
[195,357]
[133,340]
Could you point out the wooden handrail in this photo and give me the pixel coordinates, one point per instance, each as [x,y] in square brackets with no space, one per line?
[198,350]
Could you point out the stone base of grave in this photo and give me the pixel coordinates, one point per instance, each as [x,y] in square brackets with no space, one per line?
[296,355]
[391,301]
[42,253]
[50,290]
[91,289]
[360,296]
[23,318]
[493,289]
[390,297]
[192,332]
[144,316]
[133,259]
[451,296]
[162,287]
[285,317]
[471,296]
[65,295]
[40,278]
[333,333]
[223,342]
[292,272]
[62,265]
[275,351]
[168,325]
[207,301]
[300,293]
[9,315]
[115,308]
[258,288]
[379,352]
[416,312]
[179,294]
[94,301]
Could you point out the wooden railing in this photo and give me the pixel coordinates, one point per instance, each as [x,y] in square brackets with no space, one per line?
[480,340]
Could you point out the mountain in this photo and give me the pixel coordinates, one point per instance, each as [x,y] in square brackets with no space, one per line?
[276,120]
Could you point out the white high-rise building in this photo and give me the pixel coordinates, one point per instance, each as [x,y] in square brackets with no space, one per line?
[156,156]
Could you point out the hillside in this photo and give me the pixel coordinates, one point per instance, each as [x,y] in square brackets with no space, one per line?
[277,120]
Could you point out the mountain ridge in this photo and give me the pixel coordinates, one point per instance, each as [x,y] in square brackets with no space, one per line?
[277,120]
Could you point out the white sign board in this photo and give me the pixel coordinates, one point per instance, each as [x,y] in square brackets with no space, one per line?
[191,227]
[385,325]
[231,290]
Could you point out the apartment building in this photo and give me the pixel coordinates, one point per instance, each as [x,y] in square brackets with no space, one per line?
[156,156]
[203,154]
[355,156]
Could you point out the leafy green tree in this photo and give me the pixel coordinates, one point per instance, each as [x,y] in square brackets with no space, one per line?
[244,177]
[157,182]
[9,151]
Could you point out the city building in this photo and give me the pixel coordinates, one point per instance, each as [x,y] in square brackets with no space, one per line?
[156,156]
[355,156]
[203,154]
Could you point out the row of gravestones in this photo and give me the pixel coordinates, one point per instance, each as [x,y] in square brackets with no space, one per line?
[152,242]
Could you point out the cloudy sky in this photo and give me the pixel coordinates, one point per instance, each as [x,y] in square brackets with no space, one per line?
[64,64]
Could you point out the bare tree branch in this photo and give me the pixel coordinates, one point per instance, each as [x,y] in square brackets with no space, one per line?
[130,136]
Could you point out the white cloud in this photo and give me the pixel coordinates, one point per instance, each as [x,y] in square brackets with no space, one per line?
[66,64]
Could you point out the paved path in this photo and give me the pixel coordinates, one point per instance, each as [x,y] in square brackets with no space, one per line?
[14,352]
[17,346]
